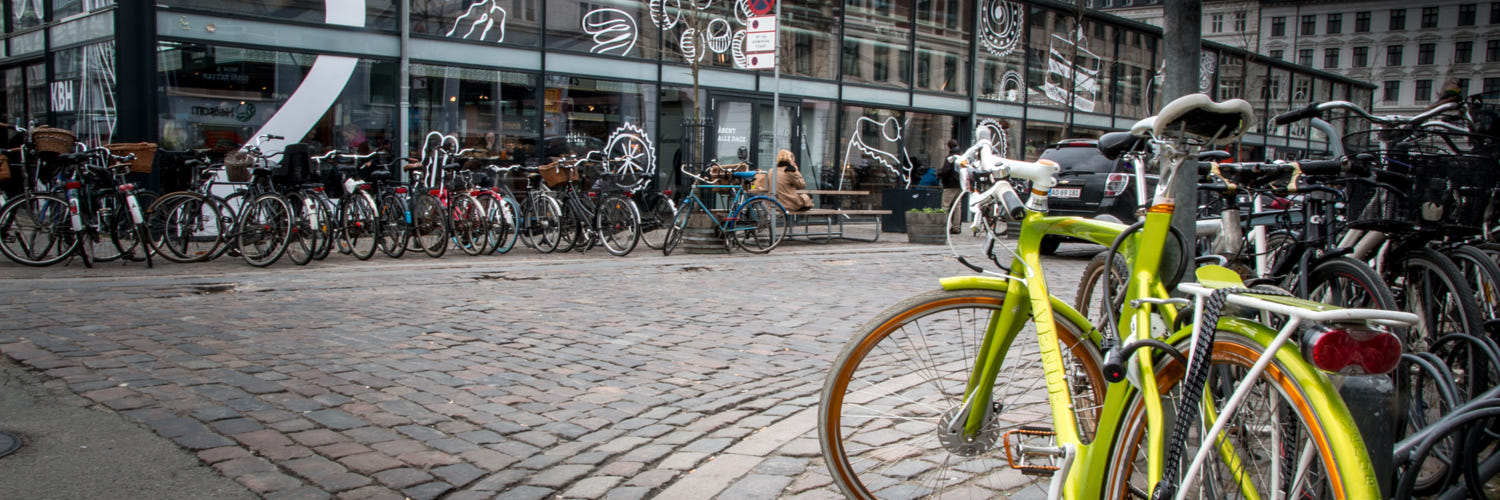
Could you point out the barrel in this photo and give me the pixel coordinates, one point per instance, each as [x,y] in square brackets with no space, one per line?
[701,236]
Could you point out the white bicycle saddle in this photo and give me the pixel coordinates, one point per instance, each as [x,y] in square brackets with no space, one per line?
[1198,116]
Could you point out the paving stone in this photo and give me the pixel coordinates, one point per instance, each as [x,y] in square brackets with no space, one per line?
[370,493]
[268,482]
[427,491]
[402,478]
[757,487]
[591,488]
[525,493]
[335,419]
[560,476]
[303,493]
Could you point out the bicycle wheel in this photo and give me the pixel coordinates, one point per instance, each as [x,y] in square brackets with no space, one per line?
[113,231]
[326,226]
[469,227]
[35,229]
[394,227]
[1427,392]
[429,225]
[498,217]
[674,232]
[1346,282]
[1090,298]
[510,232]
[359,225]
[1276,440]
[618,225]
[1428,284]
[569,227]
[301,239]
[884,404]
[544,226]
[1482,275]
[264,229]
[761,226]
[184,227]
[656,221]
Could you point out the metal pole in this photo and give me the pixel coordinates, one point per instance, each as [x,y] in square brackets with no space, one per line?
[1183,36]
[776,103]
[402,132]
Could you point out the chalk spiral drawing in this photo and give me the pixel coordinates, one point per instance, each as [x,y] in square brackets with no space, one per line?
[890,130]
[1069,77]
[486,14]
[614,31]
[1012,88]
[636,165]
[1207,66]
[1000,26]
[997,134]
[665,13]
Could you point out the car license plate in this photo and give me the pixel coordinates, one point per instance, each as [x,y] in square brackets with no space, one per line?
[1065,192]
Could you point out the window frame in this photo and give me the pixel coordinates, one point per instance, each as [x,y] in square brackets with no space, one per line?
[1397,20]
[1331,57]
[1394,54]
[1360,57]
[1278,26]
[1430,17]
[1309,25]
[1392,91]
[1362,21]
[1334,23]
[1426,53]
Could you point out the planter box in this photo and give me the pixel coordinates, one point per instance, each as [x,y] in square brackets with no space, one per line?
[928,228]
[899,200]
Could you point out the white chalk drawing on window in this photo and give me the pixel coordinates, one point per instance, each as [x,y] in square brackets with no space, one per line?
[1001,24]
[23,9]
[689,44]
[665,13]
[614,31]
[737,50]
[718,35]
[97,106]
[1208,65]
[890,131]
[998,139]
[1072,71]
[1012,88]
[484,15]
[632,157]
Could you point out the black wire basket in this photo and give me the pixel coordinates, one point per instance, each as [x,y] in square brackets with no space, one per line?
[1452,181]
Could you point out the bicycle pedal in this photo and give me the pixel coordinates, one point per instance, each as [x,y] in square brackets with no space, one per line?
[1017,451]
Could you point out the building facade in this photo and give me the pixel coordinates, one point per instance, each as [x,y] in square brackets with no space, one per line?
[867,89]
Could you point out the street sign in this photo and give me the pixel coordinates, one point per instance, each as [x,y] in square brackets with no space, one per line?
[764,60]
[761,24]
[760,42]
[762,7]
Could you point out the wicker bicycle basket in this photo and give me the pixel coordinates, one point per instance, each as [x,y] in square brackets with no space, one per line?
[555,175]
[145,154]
[52,140]
[4,168]
[723,175]
[1454,179]
[237,166]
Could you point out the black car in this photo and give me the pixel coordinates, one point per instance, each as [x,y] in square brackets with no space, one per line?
[1090,185]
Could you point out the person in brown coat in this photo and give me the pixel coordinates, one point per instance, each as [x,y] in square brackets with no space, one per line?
[788,181]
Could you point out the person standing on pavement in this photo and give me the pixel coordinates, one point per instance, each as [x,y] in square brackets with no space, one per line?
[948,177]
[788,181]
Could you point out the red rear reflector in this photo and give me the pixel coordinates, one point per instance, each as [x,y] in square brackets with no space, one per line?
[127,187]
[367,187]
[401,190]
[318,189]
[435,192]
[73,185]
[1351,350]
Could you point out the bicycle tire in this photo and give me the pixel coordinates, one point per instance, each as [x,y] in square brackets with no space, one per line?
[1345,282]
[327,224]
[107,239]
[545,225]
[1292,414]
[469,226]
[1483,275]
[429,220]
[394,228]
[767,222]
[359,225]
[1429,284]
[1428,395]
[35,229]
[264,229]
[922,350]
[674,232]
[511,232]
[301,240]
[570,226]
[1090,295]
[179,227]
[618,224]
[656,220]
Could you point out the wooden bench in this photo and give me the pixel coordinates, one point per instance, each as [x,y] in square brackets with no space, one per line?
[821,225]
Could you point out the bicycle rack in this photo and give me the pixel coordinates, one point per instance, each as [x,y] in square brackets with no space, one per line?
[1468,472]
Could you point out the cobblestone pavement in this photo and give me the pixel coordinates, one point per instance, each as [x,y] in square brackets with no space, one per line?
[521,376]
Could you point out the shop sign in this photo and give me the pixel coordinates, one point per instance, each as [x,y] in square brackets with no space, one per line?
[62,96]
[217,112]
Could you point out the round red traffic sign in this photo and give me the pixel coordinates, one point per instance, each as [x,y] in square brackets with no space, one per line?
[762,7]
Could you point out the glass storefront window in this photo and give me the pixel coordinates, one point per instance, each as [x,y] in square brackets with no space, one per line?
[808,44]
[1038,136]
[628,28]
[1005,137]
[82,92]
[874,152]
[25,14]
[509,22]
[492,110]
[379,14]
[1067,60]
[926,140]
[1001,29]
[943,46]
[580,115]
[820,144]
[1135,68]
[221,98]
[877,42]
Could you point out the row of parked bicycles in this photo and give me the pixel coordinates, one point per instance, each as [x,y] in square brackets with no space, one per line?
[262,206]
[1337,340]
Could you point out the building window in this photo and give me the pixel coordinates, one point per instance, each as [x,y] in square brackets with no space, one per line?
[1491,50]
[1491,85]
[1398,19]
[1304,57]
[1466,13]
[1330,58]
[1335,23]
[1463,52]
[1278,26]
[1216,24]
[882,62]
[1275,54]
[1309,25]
[851,58]
[1429,17]
[1425,53]
[1424,91]
[1495,13]
[1362,22]
[1392,91]
[1393,55]
[1361,57]
[1239,22]
[1463,86]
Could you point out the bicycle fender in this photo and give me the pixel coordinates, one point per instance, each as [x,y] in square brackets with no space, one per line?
[1335,426]
[1059,306]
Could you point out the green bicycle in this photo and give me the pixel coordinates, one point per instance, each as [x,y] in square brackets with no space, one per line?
[938,397]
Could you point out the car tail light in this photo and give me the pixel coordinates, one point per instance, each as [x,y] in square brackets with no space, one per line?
[1116,184]
[1351,349]
[401,190]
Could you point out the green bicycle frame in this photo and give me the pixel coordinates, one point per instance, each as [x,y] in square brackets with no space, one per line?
[1027,296]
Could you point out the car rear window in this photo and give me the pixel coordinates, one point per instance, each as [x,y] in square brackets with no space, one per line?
[1085,158]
